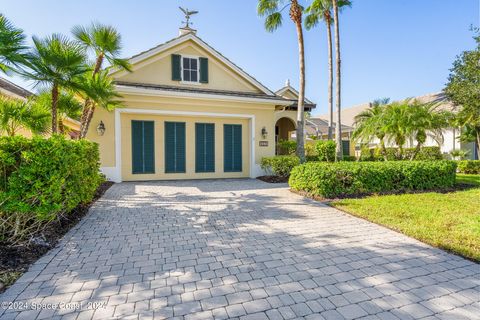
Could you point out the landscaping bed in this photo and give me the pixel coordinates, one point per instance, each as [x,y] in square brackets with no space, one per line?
[15,260]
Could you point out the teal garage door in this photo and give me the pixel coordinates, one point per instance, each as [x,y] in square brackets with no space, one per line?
[232,147]
[143,147]
[204,147]
[174,147]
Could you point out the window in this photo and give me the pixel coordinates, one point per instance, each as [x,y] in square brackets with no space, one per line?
[190,69]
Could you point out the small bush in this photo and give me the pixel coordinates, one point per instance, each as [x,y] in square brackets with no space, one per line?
[41,179]
[469,166]
[279,165]
[425,153]
[310,150]
[349,158]
[331,180]
[326,150]
[287,147]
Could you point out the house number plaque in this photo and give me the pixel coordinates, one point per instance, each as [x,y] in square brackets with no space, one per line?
[263,143]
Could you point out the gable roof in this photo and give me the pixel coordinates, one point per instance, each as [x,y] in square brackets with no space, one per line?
[294,91]
[9,88]
[194,38]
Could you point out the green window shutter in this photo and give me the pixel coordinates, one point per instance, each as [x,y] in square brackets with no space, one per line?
[204,147]
[143,150]
[346,147]
[203,70]
[232,149]
[175,147]
[176,68]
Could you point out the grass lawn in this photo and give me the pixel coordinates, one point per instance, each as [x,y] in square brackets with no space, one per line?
[450,221]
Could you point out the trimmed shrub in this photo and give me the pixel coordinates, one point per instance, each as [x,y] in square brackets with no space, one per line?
[279,165]
[469,166]
[326,150]
[41,179]
[331,180]
[425,153]
[349,158]
[287,147]
[310,150]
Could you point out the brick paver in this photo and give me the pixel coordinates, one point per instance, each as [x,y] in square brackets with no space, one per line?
[237,249]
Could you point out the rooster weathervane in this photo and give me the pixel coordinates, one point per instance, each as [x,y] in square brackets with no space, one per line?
[188,14]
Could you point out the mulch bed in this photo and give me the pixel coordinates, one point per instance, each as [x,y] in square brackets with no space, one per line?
[273,179]
[17,259]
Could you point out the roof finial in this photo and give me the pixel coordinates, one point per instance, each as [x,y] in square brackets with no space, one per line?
[287,83]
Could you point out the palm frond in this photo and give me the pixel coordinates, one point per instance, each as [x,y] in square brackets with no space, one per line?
[13,47]
[273,21]
[267,7]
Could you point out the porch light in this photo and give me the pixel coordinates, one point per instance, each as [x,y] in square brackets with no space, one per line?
[264,133]
[101,128]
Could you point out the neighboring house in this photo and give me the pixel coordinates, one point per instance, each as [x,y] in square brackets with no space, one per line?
[189,113]
[11,90]
[317,128]
[450,136]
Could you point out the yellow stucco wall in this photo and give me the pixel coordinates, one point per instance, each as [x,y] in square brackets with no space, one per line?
[157,70]
[262,113]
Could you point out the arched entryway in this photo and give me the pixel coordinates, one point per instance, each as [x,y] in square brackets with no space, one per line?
[284,127]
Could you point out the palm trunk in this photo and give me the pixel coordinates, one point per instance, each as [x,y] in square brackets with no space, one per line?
[89,118]
[87,112]
[383,150]
[54,107]
[478,143]
[296,16]
[330,77]
[61,127]
[416,151]
[338,127]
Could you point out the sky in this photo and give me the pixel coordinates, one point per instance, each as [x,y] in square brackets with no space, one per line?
[390,48]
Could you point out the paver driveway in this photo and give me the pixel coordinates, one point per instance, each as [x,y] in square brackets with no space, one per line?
[238,248]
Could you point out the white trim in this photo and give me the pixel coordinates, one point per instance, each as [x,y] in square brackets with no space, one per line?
[198,69]
[294,91]
[190,36]
[115,173]
[197,95]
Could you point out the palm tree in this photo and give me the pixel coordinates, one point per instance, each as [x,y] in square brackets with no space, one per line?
[105,42]
[322,10]
[271,9]
[370,124]
[12,48]
[338,127]
[100,91]
[56,61]
[424,119]
[398,124]
[18,114]
[68,107]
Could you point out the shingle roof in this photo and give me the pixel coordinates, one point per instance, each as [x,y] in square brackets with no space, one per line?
[10,87]
[198,90]
[348,114]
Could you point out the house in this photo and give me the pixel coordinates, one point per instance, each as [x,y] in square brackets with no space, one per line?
[189,113]
[450,136]
[11,90]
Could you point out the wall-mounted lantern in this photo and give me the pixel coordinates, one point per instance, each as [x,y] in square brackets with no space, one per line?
[101,128]
[264,133]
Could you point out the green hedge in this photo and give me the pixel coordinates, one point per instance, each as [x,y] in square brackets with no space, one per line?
[392,154]
[42,178]
[279,165]
[331,180]
[326,150]
[469,166]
